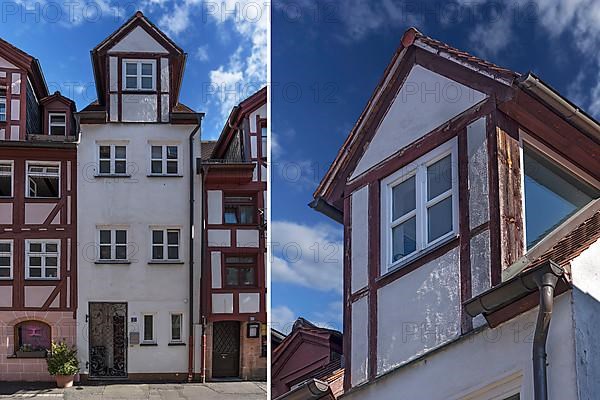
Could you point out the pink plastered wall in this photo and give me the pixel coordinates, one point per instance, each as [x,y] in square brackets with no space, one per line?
[63,326]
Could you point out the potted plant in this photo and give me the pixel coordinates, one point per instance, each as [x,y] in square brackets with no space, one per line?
[30,351]
[63,364]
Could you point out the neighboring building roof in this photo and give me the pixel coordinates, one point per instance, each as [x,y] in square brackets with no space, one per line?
[206,149]
[27,62]
[276,338]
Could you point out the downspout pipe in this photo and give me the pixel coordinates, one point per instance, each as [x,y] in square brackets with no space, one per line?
[197,130]
[203,257]
[546,284]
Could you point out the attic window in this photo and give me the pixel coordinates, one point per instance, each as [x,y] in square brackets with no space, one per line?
[57,124]
[139,75]
[552,194]
[2,107]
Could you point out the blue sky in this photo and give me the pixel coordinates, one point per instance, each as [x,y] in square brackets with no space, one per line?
[327,58]
[227,47]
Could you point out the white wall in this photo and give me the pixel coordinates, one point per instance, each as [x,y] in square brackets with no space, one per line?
[418,312]
[471,363]
[585,271]
[360,341]
[359,239]
[424,93]
[138,203]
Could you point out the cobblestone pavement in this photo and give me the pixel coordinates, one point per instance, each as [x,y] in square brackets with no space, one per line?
[191,391]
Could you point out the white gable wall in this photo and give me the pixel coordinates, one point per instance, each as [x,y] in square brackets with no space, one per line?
[425,101]
[138,41]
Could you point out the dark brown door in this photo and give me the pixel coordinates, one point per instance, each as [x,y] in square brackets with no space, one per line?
[226,349]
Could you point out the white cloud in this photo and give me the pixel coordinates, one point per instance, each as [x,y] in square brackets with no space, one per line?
[331,317]
[282,319]
[202,53]
[308,256]
[491,36]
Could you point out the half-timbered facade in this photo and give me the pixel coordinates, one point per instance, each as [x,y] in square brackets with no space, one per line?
[234,173]
[138,283]
[475,186]
[38,217]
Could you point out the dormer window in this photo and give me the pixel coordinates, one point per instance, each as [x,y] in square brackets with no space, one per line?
[57,124]
[552,194]
[2,108]
[139,75]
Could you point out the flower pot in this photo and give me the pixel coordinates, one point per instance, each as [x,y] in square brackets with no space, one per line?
[64,381]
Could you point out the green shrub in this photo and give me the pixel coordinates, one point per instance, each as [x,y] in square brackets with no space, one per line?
[62,360]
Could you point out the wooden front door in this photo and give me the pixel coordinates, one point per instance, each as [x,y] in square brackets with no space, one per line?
[226,349]
[108,340]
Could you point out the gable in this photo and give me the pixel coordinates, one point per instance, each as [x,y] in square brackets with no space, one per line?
[303,355]
[425,101]
[138,41]
[6,64]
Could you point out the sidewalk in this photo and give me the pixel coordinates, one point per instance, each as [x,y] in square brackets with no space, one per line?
[191,391]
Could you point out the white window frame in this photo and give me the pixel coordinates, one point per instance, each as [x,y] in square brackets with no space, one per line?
[11,174]
[163,159]
[417,168]
[3,101]
[165,244]
[9,255]
[113,245]
[42,255]
[51,124]
[44,164]
[181,328]
[139,75]
[112,159]
[525,139]
[143,330]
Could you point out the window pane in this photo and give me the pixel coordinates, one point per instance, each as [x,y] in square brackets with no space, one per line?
[157,167]
[35,247]
[43,186]
[247,214]
[131,68]
[33,335]
[146,83]
[104,237]
[403,198]
[121,252]
[58,119]
[105,167]
[5,186]
[176,326]
[35,272]
[439,177]
[120,152]
[157,237]
[120,167]
[35,261]
[551,195]
[51,261]
[5,247]
[157,253]
[131,83]
[247,275]
[230,215]
[172,152]
[439,219]
[404,239]
[121,237]
[231,277]
[156,151]
[148,328]
[173,253]
[51,272]
[173,237]
[4,272]
[51,247]
[4,261]
[146,69]
[171,167]
[57,130]
[104,151]
[105,252]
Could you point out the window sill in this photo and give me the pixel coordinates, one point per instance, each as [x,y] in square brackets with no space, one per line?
[176,344]
[112,176]
[43,279]
[148,344]
[165,262]
[112,262]
[409,260]
[164,176]
[37,356]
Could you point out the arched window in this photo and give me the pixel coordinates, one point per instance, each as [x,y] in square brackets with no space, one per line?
[32,338]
